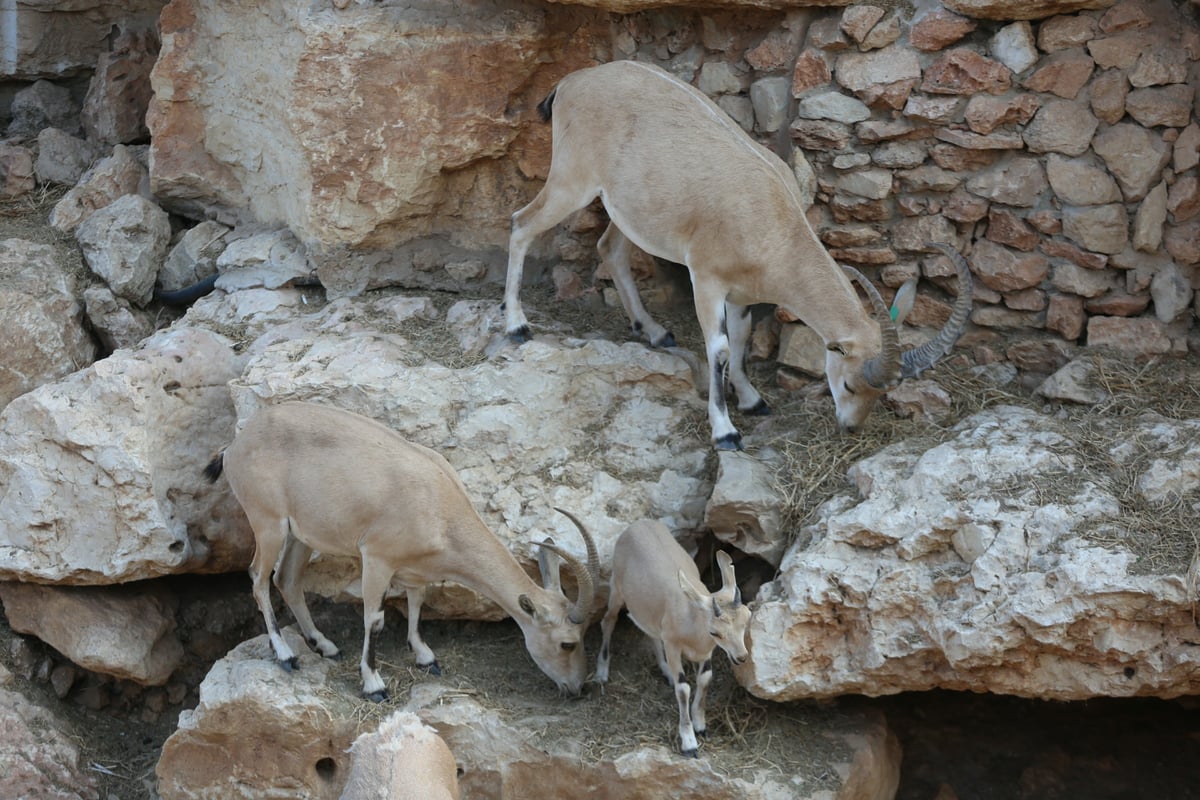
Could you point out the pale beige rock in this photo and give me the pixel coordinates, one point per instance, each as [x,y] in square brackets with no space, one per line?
[641,462]
[744,509]
[42,317]
[125,632]
[331,136]
[100,472]
[402,759]
[112,177]
[1135,157]
[930,563]
[802,348]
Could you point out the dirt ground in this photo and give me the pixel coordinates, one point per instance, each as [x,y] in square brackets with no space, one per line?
[955,745]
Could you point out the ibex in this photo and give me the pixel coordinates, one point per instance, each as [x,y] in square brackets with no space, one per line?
[310,477]
[655,579]
[682,181]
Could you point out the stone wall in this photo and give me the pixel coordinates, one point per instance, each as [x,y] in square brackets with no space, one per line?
[1054,142]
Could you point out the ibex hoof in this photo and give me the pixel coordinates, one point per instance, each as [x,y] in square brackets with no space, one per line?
[730,441]
[759,409]
[668,340]
[693,753]
[377,697]
[702,734]
[290,664]
[432,668]
[520,335]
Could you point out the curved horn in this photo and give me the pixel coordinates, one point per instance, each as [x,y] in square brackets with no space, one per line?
[922,358]
[882,371]
[585,576]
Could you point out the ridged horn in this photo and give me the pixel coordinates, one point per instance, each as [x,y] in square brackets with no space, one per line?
[915,361]
[586,576]
[882,371]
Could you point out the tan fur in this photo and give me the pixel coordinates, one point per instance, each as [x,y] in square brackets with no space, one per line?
[311,477]
[655,579]
[683,182]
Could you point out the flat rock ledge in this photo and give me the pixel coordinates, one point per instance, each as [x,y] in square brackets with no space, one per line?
[261,732]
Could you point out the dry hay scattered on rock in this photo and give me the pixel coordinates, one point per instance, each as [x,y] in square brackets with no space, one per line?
[815,455]
[488,662]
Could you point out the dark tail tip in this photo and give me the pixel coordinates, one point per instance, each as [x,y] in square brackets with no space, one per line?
[546,107]
[215,467]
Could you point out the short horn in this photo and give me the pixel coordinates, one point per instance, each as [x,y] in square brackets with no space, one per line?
[919,359]
[586,577]
[882,371]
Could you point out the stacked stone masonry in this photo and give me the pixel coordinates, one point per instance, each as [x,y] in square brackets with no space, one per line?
[1060,153]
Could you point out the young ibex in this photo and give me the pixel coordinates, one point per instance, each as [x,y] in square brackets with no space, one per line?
[682,181]
[310,477]
[656,580]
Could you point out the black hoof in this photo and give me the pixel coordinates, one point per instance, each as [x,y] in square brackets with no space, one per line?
[702,734]
[290,664]
[666,341]
[377,697]
[730,441]
[520,335]
[760,409]
[693,753]
[432,668]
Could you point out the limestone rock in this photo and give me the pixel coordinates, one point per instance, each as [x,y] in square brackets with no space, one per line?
[1021,9]
[45,337]
[56,39]
[298,147]
[114,111]
[39,756]
[944,574]
[744,509]
[116,322]
[114,176]
[260,732]
[604,424]
[63,158]
[43,104]
[100,473]
[16,171]
[125,243]
[194,257]
[125,632]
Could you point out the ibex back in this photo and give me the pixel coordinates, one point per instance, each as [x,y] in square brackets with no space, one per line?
[682,181]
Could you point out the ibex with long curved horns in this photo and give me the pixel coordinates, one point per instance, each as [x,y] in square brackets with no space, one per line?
[682,181]
[311,477]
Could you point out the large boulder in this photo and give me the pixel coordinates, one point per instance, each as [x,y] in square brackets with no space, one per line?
[1010,558]
[602,429]
[362,125]
[100,473]
[56,38]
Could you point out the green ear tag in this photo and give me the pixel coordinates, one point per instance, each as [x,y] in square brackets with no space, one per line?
[893,312]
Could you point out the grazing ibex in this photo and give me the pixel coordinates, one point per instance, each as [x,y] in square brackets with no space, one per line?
[402,759]
[655,579]
[310,477]
[682,181]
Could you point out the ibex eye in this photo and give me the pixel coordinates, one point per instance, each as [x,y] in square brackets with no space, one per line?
[846,386]
[568,646]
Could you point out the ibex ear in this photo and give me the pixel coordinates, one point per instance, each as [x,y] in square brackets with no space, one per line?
[693,593]
[903,301]
[548,565]
[527,605]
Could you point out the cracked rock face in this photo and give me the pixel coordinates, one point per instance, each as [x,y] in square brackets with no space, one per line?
[1002,560]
